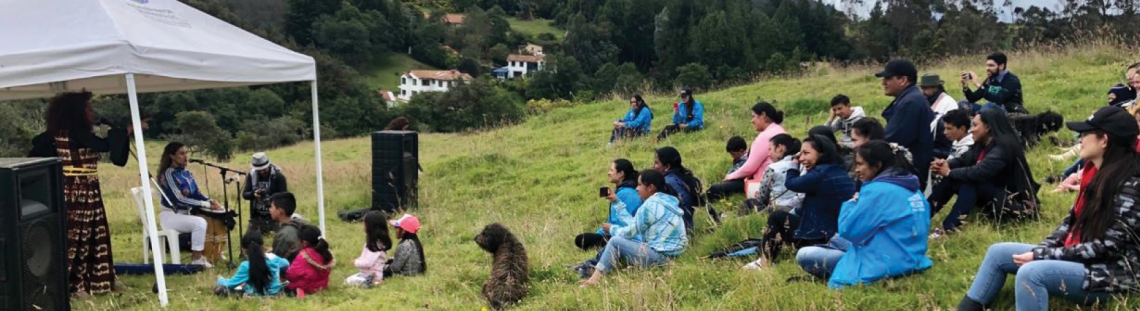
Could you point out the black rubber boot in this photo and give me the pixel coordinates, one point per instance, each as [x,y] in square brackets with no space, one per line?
[968,304]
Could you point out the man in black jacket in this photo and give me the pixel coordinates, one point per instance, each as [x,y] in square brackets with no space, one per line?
[1001,88]
[909,115]
[264,180]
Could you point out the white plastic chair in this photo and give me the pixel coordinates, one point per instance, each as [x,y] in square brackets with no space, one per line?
[168,237]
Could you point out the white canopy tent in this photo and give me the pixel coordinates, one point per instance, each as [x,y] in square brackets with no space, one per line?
[139,46]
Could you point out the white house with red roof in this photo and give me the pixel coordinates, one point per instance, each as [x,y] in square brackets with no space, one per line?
[418,81]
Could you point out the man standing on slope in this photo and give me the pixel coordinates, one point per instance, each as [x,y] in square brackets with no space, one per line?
[909,115]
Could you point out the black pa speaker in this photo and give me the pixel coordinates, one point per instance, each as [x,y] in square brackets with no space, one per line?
[395,170]
[33,267]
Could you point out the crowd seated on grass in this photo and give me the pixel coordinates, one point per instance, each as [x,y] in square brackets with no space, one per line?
[623,202]
[825,185]
[1092,255]
[889,218]
[766,120]
[984,176]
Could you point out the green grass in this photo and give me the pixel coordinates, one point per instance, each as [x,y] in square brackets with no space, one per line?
[385,72]
[536,27]
[540,178]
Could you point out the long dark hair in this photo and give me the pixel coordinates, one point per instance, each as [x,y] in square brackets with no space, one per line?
[878,153]
[869,128]
[312,235]
[828,152]
[998,123]
[766,109]
[165,162]
[671,157]
[408,236]
[657,180]
[376,228]
[628,172]
[69,112]
[641,105]
[824,131]
[689,104]
[259,274]
[1120,162]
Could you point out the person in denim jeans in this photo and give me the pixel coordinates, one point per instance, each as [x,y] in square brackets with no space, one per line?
[660,224]
[1092,254]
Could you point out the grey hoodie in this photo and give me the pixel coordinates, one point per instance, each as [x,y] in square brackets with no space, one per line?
[845,125]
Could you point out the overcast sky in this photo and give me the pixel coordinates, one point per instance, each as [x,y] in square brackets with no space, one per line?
[1054,5]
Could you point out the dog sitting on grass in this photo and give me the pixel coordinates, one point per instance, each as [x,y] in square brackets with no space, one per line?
[509,279]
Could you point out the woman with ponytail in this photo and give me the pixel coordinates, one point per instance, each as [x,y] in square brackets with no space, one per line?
[682,182]
[259,275]
[766,120]
[1094,253]
[309,272]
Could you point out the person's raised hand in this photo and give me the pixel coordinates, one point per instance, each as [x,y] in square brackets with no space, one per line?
[612,197]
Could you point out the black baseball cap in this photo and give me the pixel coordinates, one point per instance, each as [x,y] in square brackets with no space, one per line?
[898,67]
[686,92]
[1114,120]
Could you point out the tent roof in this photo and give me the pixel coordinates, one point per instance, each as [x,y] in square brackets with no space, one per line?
[52,46]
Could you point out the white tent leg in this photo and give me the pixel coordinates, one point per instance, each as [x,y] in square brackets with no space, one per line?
[317,147]
[144,179]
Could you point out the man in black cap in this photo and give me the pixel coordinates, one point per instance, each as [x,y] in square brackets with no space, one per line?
[909,115]
[1001,87]
[688,116]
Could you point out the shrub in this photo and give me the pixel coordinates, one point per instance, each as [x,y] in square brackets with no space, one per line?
[542,106]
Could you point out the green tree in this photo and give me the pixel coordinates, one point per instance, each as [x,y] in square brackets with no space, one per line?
[302,13]
[200,132]
[694,75]
[348,35]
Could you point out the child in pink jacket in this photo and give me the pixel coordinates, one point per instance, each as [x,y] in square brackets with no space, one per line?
[309,271]
[374,256]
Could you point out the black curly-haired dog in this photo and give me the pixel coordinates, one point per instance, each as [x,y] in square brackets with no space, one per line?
[509,281]
[1032,127]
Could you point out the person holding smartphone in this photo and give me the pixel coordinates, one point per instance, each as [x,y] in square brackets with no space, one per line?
[624,203]
[1001,88]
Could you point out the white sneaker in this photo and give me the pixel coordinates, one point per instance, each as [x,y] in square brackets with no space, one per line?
[755,265]
[202,262]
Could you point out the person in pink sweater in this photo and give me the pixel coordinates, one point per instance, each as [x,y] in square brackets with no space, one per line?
[766,120]
[375,253]
[309,272]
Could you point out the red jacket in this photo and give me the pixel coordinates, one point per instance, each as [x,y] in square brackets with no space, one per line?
[309,271]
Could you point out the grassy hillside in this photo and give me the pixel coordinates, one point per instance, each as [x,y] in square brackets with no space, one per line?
[536,27]
[540,179]
[385,72]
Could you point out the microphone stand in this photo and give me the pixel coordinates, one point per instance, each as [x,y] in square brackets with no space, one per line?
[226,202]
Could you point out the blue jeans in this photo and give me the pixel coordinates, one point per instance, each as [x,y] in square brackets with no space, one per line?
[632,252]
[969,196]
[820,261]
[1036,280]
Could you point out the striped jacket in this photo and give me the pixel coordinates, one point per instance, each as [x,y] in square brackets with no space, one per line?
[1112,263]
[660,223]
[179,185]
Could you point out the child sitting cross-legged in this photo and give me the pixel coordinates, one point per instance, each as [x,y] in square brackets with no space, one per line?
[259,275]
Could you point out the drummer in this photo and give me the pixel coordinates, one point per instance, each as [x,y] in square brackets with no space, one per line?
[178,185]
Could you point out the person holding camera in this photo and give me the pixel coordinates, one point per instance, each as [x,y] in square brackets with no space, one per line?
[1001,88]
[263,181]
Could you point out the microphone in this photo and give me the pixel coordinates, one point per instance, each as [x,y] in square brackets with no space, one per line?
[199,161]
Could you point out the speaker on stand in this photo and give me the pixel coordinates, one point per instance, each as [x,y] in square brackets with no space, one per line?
[33,266]
[395,174]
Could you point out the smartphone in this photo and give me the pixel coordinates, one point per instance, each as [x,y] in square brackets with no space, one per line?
[604,192]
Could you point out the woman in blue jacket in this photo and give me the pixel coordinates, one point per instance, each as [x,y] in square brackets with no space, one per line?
[180,196]
[623,204]
[882,231]
[668,162]
[825,186]
[689,116]
[635,123]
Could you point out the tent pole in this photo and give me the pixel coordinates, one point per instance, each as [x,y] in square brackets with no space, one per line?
[317,151]
[144,178]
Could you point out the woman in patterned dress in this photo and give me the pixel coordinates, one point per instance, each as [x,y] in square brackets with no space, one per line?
[70,120]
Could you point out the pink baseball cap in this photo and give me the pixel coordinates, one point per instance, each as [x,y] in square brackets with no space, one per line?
[409,223]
